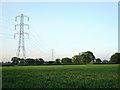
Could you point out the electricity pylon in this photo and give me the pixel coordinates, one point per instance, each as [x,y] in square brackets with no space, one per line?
[53,54]
[21,46]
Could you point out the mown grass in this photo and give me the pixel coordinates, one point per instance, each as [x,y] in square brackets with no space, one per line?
[60,76]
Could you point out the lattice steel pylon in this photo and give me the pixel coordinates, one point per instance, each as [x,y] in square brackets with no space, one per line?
[53,54]
[21,45]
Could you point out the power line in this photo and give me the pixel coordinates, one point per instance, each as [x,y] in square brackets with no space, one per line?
[37,41]
[5,20]
[34,44]
[34,35]
[44,44]
[40,38]
[36,51]
[6,34]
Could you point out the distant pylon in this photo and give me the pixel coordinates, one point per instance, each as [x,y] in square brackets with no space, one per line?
[21,46]
[53,54]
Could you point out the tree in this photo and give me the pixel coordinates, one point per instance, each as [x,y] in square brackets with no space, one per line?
[41,61]
[15,60]
[87,57]
[57,61]
[30,61]
[98,60]
[66,60]
[21,61]
[76,59]
[37,61]
[105,61]
[115,58]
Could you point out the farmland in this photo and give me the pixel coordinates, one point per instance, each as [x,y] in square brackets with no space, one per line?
[60,76]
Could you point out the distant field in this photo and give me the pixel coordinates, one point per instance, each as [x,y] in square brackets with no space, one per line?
[60,76]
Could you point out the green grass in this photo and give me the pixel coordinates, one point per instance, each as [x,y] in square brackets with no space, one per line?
[60,76]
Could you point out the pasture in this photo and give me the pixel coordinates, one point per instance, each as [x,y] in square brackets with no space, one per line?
[60,76]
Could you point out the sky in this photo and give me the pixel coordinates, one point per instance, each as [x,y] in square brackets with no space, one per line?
[67,27]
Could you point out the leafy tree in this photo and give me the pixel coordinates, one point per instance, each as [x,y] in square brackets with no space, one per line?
[22,61]
[76,59]
[37,61]
[50,62]
[98,60]
[105,61]
[41,61]
[66,60]
[57,61]
[15,60]
[30,61]
[115,58]
[87,57]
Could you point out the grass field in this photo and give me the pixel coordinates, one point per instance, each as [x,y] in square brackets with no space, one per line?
[60,76]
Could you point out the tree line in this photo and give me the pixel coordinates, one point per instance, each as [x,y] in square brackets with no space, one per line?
[81,58]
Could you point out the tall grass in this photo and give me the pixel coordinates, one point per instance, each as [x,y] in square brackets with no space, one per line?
[60,76]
